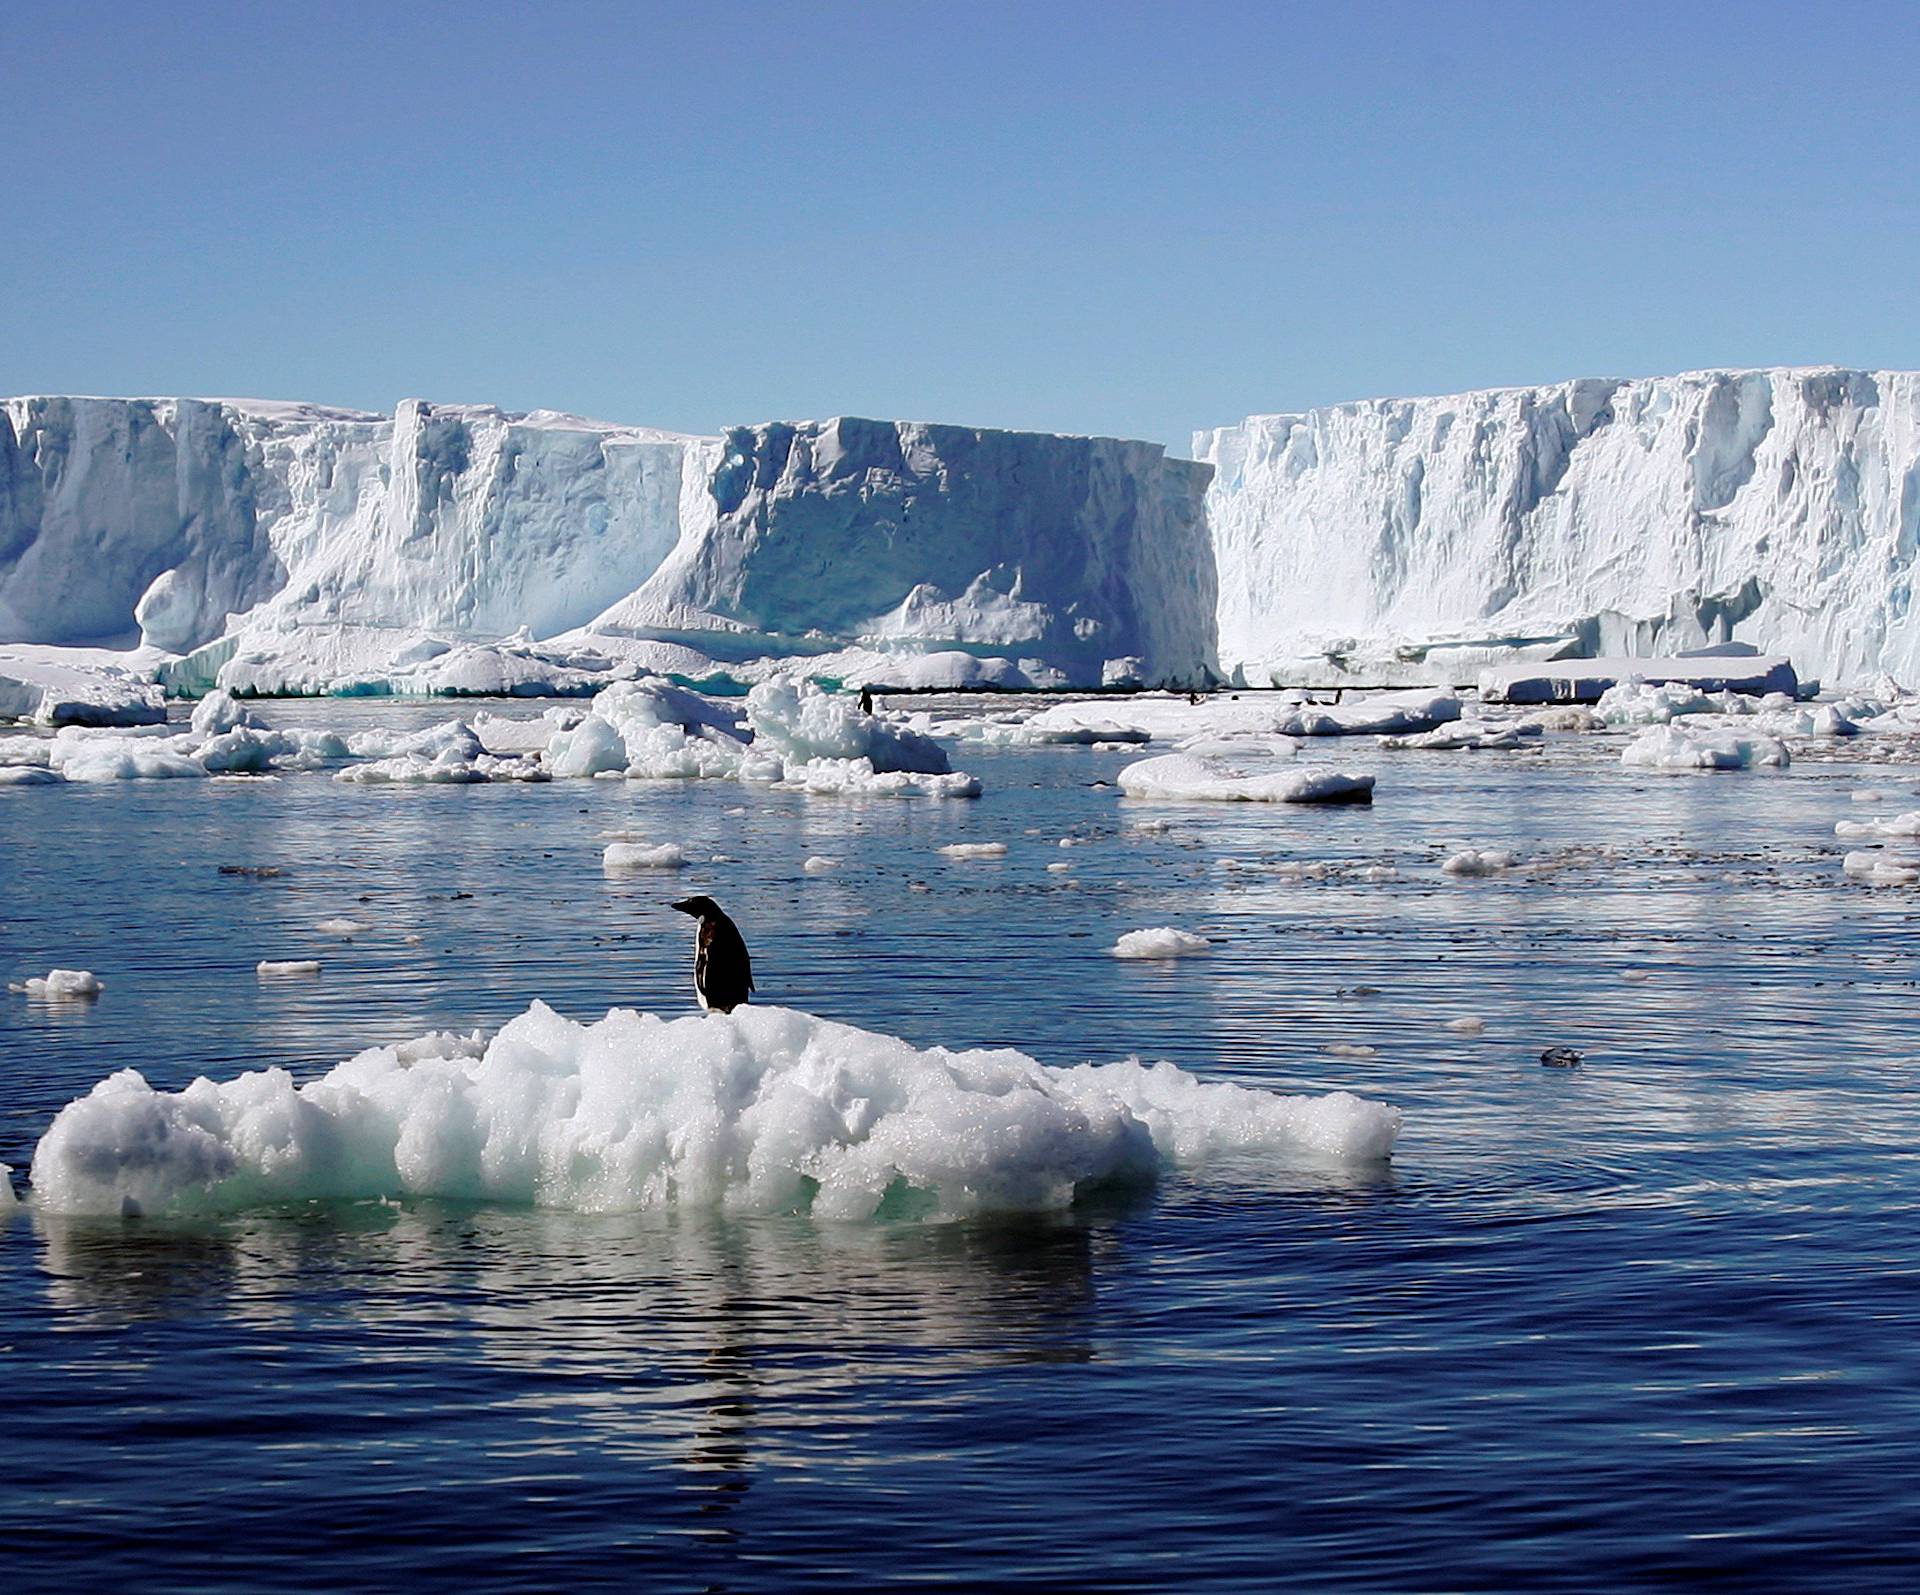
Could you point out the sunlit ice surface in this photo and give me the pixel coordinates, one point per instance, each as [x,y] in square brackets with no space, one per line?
[1644,1319]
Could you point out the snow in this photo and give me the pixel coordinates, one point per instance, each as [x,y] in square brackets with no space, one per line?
[1592,516]
[1670,747]
[621,856]
[62,984]
[1161,941]
[765,1110]
[1190,777]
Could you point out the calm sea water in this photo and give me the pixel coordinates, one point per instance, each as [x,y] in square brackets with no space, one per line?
[1647,1322]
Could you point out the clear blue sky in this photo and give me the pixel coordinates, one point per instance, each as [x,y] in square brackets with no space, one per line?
[1115,218]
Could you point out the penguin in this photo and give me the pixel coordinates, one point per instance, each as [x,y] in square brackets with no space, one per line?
[866,701]
[722,971]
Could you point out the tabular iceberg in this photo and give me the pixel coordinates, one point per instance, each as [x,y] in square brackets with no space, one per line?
[289,547]
[1419,539]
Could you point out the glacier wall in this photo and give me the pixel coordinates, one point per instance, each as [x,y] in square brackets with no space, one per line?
[305,545]
[1076,552]
[1777,507]
[163,517]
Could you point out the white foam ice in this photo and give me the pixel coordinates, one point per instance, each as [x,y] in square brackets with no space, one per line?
[762,1110]
[61,985]
[1670,747]
[1160,941]
[1190,777]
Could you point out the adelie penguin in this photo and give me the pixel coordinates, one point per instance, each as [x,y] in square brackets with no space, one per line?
[722,971]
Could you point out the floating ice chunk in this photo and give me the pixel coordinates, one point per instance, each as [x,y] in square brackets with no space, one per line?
[81,755]
[1419,710]
[1668,747]
[1352,1049]
[340,927]
[1875,869]
[1639,703]
[1160,941]
[1187,776]
[1378,872]
[797,722]
[453,739]
[448,768]
[29,775]
[764,1110]
[858,778]
[1900,825]
[61,985]
[220,711]
[1469,734]
[8,1201]
[1240,747]
[975,850]
[818,865]
[1869,794]
[1574,717]
[621,856]
[1059,869]
[1467,1025]
[1476,862]
[274,968]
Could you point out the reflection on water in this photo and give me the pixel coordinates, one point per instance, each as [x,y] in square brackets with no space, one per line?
[1645,1321]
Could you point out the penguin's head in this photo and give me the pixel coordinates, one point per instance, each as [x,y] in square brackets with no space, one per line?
[699,907]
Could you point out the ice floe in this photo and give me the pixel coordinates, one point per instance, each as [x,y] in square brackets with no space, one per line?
[62,984]
[279,968]
[764,1110]
[1473,862]
[1670,747]
[1191,777]
[1160,941]
[622,856]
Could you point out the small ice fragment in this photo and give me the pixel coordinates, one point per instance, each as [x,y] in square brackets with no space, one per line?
[339,927]
[1869,794]
[1633,975]
[975,849]
[413,938]
[1059,869]
[63,984]
[818,865]
[1379,872]
[1352,1049]
[1473,862]
[271,968]
[1160,941]
[1468,1025]
[632,856]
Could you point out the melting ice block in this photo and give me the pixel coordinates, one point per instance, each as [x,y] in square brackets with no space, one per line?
[763,1110]
[1191,777]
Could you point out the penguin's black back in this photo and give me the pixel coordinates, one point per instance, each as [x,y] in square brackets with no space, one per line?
[722,971]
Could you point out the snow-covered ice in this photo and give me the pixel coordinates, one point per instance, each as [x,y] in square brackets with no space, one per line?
[964,850]
[764,1110]
[277,968]
[1471,862]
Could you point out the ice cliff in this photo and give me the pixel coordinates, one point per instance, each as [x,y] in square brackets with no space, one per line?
[292,546]
[1413,538]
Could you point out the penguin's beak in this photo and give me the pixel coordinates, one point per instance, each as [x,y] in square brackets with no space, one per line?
[685,905]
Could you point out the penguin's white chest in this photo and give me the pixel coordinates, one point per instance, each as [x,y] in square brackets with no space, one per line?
[700,967]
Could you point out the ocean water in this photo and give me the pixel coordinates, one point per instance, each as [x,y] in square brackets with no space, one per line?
[1646,1322]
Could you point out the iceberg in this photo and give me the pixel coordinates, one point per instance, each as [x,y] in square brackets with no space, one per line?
[289,548]
[1597,517]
